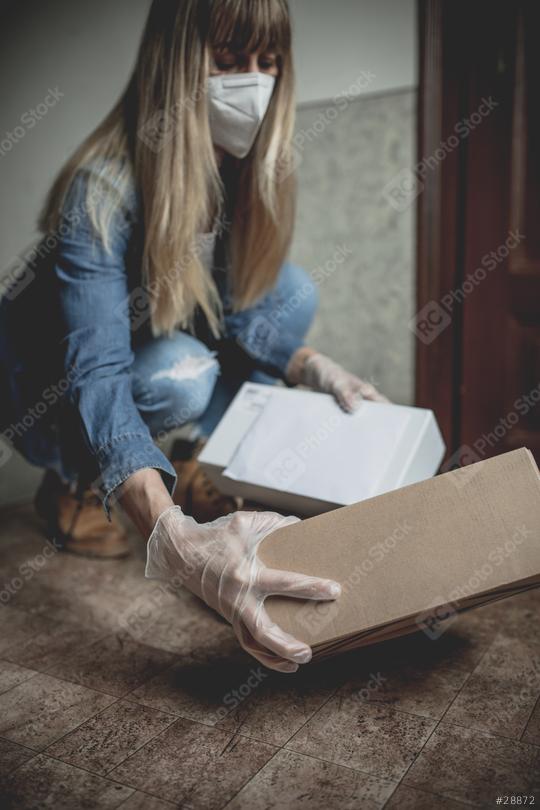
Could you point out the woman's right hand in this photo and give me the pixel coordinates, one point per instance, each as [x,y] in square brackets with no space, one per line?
[218,562]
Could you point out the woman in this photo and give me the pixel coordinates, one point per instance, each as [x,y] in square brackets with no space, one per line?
[160,286]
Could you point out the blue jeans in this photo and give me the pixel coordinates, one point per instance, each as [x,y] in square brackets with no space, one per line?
[165,382]
[178,380]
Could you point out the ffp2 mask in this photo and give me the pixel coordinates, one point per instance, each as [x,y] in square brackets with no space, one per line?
[237,106]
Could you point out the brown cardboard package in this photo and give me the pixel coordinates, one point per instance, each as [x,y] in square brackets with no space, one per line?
[411,559]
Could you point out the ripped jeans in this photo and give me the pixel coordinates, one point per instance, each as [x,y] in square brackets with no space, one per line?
[181,380]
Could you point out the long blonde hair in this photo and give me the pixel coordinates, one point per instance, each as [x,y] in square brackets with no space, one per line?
[158,136]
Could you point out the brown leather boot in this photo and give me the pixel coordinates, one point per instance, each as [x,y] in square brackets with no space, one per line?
[195,494]
[79,524]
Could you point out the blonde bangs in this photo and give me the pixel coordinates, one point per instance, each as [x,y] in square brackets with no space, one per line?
[246,26]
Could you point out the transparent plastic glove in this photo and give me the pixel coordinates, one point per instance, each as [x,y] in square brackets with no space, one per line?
[218,562]
[322,374]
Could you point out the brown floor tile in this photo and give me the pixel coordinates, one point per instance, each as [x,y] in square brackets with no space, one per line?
[374,739]
[142,801]
[104,741]
[76,590]
[293,782]
[52,645]
[29,555]
[12,674]
[194,765]
[459,649]
[104,627]
[515,658]
[179,623]
[407,798]
[115,665]
[18,627]
[193,690]
[73,590]
[412,679]
[11,756]
[501,693]
[517,617]
[532,732]
[475,767]
[59,600]
[22,541]
[39,711]
[125,587]
[44,782]
[467,639]
[274,708]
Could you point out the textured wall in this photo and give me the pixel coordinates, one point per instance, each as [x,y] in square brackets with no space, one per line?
[367,301]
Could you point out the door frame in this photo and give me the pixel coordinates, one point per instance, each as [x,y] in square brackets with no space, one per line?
[440,225]
[467,202]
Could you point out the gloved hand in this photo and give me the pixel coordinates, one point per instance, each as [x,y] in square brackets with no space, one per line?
[322,374]
[218,562]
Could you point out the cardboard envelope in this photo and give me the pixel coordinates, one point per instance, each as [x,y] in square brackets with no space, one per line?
[413,558]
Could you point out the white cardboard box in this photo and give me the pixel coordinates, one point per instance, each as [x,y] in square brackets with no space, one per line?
[297,452]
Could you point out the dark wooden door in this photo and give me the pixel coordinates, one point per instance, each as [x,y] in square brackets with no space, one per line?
[479,224]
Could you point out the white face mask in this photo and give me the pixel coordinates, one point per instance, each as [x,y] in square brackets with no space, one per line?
[237,104]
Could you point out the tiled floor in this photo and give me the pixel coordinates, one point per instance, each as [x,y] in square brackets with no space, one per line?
[116,693]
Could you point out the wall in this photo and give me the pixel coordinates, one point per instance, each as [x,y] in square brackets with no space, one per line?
[349,235]
[365,48]
[336,41]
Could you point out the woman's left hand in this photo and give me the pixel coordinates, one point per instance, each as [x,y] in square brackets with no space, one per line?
[322,374]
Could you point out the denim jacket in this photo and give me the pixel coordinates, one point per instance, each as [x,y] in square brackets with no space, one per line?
[68,325]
